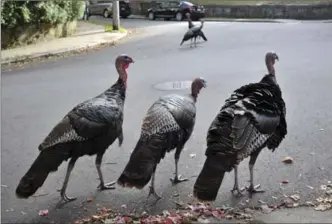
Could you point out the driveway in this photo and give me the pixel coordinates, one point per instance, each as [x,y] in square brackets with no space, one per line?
[36,97]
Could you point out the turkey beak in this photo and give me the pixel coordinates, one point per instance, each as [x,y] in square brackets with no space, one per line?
[277,58]
[130,60]
[204,84]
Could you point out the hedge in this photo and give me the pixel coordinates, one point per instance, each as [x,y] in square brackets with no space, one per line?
[17,13]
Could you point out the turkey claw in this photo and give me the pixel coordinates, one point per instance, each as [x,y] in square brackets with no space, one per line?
[237,192]
[66,198]
[153,192]
[178,179]
[254,189]
[108,186]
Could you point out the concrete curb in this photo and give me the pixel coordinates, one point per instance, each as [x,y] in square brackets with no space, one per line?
[223,19]
[22,58]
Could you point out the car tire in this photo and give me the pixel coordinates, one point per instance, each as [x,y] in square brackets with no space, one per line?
[167,19]
[106,14]
[124,17]
[151,16]
[179,16]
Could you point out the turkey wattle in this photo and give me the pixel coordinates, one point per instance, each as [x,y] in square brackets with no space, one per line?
[253,117]
[88,129]
[168,125]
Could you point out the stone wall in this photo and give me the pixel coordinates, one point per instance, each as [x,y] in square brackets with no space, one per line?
[309,12]
[272,11]
[30,34]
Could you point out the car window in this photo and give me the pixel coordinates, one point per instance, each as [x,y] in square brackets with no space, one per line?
[174,4]
[186,4]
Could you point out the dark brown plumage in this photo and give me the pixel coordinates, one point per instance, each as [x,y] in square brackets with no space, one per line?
[88,129]
[193,33]
[253,117]
[168,125]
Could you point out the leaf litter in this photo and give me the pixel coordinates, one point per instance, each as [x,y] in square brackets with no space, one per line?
[200,212]
[205,213]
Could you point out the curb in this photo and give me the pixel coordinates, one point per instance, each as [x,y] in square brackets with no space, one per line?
[242,20]
[222,19]
[23,58]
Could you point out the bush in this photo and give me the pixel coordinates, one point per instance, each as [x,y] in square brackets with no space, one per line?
[18,13]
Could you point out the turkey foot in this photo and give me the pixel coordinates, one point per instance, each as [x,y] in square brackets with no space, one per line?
[153,192]
[107,186]
[254,189]
[236,191]
[65,197]
[178,179]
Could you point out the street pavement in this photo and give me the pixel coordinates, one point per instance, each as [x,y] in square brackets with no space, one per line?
[35,97]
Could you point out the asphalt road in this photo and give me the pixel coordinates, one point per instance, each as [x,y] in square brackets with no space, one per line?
[36,97]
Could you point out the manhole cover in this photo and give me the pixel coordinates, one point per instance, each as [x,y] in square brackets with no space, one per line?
[176,85]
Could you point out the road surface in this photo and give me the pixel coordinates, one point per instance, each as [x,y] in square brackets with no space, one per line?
[36,97]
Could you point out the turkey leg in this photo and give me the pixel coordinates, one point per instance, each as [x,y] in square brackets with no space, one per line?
[102,185]
[152,190]
[177,178]
[70,167]
[252,188]
[236,191]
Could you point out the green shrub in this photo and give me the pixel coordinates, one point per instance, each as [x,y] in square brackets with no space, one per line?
[18,13]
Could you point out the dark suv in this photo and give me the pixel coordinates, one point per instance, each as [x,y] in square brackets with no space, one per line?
[175,9]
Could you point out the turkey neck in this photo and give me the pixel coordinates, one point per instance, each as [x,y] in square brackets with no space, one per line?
[194,92]
[122,73]
[270,69]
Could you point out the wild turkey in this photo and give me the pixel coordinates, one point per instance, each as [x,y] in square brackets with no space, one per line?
[88,129]
[168,125]
[253,117]
[193,33]
[191,25]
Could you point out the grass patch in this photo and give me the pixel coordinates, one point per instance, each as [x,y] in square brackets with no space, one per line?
[107,27]
[253,2]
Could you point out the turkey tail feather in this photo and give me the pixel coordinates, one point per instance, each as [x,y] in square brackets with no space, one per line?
[47,161]
[203,36]
[210,178]
[141,165]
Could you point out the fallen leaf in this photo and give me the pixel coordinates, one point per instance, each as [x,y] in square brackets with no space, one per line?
[43,212]
[274,197]
[2,185]
[193,155]
[261,202]
[285,181]
[89,199]
[323,207]
[23,213]
[309,203]
[310,187]
[123,206]
[295,197]
[322,129]
[266,209]
[176,195]
[288,160]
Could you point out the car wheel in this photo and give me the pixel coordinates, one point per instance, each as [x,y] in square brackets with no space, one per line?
[152,16]
[124,17]
[167,19]
[106,14]
[179,16]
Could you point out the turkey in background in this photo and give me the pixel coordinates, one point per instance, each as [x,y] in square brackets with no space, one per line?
[253,117]
[193,33]
[168,125]
[191,25]
[88,129]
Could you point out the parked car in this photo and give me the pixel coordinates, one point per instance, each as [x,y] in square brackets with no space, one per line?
[175,9]
[104,8]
